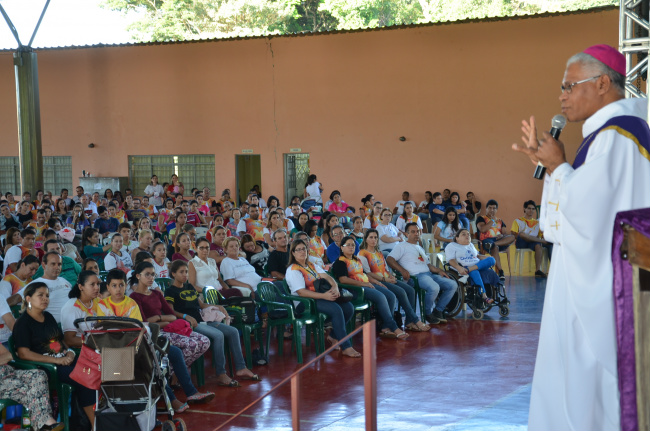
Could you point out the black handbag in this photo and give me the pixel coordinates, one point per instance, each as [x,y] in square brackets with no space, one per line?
[321,285]
[244,305]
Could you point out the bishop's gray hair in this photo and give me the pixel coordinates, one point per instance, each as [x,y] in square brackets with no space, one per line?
[599,68]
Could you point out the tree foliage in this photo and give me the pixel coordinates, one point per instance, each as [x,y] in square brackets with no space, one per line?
[159,20]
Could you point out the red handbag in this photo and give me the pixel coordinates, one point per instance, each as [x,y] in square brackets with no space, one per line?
[88,371]
[179,326]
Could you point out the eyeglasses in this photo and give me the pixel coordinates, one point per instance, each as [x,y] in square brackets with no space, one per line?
[337,234]
[149,274]
[204,248]
[300,249]
[347,245]
[568,86]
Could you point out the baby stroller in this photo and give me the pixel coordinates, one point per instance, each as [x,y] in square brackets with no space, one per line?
[129,405]
[469,294]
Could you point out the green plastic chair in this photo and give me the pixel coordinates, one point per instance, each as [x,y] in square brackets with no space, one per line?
[213,297]
[198,369]
[15,310]
[270,296]
[56,386]
[419,292]
[286,294]
[102,275]
[164,283]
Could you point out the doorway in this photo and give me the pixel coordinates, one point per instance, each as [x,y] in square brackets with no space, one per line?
[248,171]
[296,171]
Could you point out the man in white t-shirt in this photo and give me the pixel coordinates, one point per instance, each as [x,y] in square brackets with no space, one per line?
[77,198]
[59,287]
[89,208]
[411,261]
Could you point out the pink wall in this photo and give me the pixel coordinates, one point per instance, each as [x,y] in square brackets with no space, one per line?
[457,92]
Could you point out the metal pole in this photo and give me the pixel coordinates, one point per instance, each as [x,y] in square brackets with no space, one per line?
[370,375]
[38,24]
[29,120]
[295,402]
[12,28]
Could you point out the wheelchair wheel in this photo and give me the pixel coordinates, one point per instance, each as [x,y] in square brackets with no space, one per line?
[168,426]
[477,314]
[456,303]
[504,310]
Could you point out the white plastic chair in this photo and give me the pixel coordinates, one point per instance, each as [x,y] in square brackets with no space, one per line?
[522,253]
[201,231]
[430,241]
[107,240]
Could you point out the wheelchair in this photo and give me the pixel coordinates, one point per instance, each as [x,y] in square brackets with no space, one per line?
[468,293]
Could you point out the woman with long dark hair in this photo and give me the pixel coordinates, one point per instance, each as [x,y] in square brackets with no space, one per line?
[445,230]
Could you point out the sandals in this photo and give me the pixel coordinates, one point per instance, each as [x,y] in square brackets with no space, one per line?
[199,398]
[182,408]
[418,328]
[488,300]
[391,334]
[254,377]
[402,335]
[232,384]
[387,334]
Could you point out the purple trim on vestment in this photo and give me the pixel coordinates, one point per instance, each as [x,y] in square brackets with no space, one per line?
[638,127]
[624,315]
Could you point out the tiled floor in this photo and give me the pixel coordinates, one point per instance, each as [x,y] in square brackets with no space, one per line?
[465,375]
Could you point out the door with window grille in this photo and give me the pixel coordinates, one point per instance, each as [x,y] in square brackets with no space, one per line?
[296,171]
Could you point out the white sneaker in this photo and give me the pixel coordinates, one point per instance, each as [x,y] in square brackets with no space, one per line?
[463,279]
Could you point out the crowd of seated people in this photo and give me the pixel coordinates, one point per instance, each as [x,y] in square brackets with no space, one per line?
[50,243]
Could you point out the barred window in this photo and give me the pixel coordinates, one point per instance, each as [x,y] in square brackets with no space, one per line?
[57,174]
[10,175]
[193,171]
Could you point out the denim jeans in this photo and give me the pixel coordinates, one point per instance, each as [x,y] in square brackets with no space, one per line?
[338,314]
[432,285]
[405,295]
[385,301]
[476,275]
[177,361]
[216,332]
[464,220]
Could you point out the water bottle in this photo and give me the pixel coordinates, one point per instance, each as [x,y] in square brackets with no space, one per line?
[27,421]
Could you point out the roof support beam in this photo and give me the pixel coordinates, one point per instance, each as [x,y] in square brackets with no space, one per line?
[29,109]
[634,43]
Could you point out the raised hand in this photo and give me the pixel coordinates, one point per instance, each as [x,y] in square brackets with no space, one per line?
[529,138]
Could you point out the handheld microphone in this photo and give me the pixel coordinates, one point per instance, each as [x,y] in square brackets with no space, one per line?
[557,124]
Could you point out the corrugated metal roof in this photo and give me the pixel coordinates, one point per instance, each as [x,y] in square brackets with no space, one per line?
[325,33]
